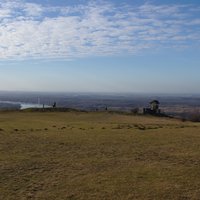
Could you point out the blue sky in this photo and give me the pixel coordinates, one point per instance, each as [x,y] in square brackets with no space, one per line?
[100,46]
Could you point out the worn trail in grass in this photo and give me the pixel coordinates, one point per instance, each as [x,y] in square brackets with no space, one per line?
[97,156]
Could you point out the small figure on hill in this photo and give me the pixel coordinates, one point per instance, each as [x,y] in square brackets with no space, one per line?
[54,105]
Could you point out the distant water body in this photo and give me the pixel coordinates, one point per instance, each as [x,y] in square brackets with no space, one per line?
[25,105]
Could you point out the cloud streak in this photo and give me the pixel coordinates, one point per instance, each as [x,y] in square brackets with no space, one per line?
[34,31]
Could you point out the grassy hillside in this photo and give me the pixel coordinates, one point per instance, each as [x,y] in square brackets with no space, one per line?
[72,155]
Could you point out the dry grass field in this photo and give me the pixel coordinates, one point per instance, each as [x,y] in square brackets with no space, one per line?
[76,155]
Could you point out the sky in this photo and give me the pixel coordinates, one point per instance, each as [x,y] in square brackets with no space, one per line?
[134,46]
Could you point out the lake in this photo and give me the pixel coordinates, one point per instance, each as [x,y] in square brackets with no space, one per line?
[24,105]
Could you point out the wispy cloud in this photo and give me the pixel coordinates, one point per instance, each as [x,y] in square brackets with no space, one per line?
[30,30]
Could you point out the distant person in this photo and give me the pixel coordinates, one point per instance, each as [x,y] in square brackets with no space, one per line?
[54,105]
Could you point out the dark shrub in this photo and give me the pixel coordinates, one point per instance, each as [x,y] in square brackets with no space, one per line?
[195,116]
[135,110]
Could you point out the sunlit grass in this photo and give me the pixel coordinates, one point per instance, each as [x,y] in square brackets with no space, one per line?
[97,156]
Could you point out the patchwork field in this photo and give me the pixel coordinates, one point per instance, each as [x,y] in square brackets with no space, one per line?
[74,155]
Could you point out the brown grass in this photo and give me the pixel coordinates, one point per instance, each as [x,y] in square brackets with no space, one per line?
[97,156]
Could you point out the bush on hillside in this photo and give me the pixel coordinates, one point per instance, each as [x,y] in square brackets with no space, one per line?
[195,116]
[135,110]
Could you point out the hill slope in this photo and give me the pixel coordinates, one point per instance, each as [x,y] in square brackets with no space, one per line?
[74,155]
